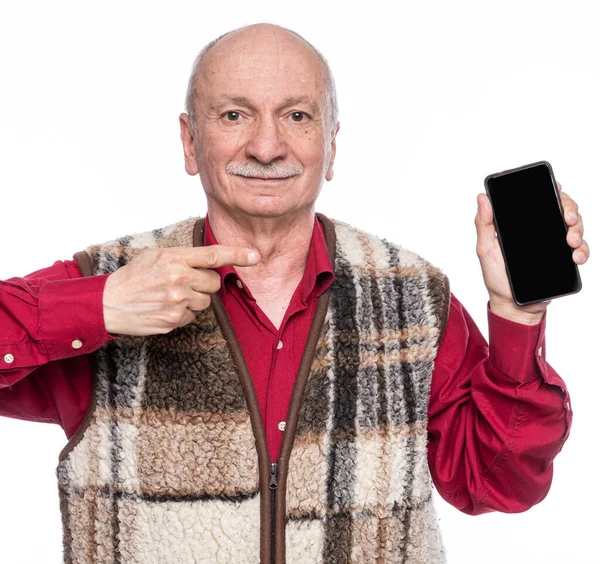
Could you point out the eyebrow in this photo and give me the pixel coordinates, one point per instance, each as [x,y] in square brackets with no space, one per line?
[315,108]
[243,100]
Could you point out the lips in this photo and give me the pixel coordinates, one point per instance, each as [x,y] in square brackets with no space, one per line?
[265,179]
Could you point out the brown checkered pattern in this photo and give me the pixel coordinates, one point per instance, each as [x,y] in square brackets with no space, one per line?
[171,465]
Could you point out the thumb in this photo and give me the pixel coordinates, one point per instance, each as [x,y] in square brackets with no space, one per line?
[484,223]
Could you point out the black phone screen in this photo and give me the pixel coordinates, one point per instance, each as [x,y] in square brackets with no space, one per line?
[532,233]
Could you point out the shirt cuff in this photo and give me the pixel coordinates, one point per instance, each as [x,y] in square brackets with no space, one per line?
[72,316]
[517,349]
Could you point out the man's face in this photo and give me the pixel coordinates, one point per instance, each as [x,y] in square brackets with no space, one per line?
[261,111]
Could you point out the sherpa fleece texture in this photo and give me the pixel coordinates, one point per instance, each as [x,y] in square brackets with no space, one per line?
[171,465]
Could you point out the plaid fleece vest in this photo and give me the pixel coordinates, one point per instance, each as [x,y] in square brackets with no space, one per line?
[170,464]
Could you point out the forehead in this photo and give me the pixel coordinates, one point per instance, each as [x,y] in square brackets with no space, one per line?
[262,65]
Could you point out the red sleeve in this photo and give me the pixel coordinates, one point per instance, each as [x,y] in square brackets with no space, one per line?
[498,415]
[51,320]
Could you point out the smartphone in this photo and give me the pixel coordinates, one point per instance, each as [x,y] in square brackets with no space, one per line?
[532,233]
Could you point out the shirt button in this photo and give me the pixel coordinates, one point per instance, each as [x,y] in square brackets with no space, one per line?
[77,344]
[8,358]
[568,406]
[239,283]
[540,351]
[281,426]
[279,345]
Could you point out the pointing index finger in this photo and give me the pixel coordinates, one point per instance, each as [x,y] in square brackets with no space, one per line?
[215,256]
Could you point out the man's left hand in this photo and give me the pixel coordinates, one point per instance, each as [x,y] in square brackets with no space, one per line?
[492,261]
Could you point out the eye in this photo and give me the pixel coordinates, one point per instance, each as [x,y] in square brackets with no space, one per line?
[297,116]
[232,116]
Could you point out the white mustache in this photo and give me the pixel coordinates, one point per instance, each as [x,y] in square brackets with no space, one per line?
[257,170]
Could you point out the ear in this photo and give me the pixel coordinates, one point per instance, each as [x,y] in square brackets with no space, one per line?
[329,173]
[187,140]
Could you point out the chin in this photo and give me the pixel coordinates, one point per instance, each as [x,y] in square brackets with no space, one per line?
[266,206]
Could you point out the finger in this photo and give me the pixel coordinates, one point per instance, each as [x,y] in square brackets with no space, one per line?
[575,233]
[183,298]
[186,318]
[581,254]
[215,256]
[484,223]
[559,186]
[570,208]
[580,225]
[198,301]
[205,281]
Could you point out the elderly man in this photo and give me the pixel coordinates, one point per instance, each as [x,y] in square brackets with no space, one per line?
[268,384]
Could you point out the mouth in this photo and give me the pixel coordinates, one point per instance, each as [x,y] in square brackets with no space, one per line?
[269,180]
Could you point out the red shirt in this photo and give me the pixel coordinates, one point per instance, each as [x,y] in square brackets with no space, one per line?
[273,355]
[498,415]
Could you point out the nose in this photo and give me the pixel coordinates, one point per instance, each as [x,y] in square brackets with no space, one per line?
[266,141]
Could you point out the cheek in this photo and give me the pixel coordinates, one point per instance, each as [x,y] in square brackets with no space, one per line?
[216,149]
[311,147]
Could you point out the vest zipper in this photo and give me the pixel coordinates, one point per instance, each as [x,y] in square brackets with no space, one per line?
[301,378]
[273,487]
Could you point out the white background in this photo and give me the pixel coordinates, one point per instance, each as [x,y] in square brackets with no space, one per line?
[433,97]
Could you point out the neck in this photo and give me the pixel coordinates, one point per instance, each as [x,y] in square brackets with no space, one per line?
[283,244]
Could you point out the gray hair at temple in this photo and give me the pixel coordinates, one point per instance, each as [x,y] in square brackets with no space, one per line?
[332,104]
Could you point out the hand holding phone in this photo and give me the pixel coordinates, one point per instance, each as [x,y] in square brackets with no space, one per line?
[532,234]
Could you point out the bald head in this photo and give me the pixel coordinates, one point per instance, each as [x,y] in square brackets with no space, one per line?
[254,35]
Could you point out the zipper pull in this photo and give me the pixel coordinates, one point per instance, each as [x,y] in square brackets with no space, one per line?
[273,480]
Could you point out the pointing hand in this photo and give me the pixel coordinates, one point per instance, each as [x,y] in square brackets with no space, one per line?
[161,289]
